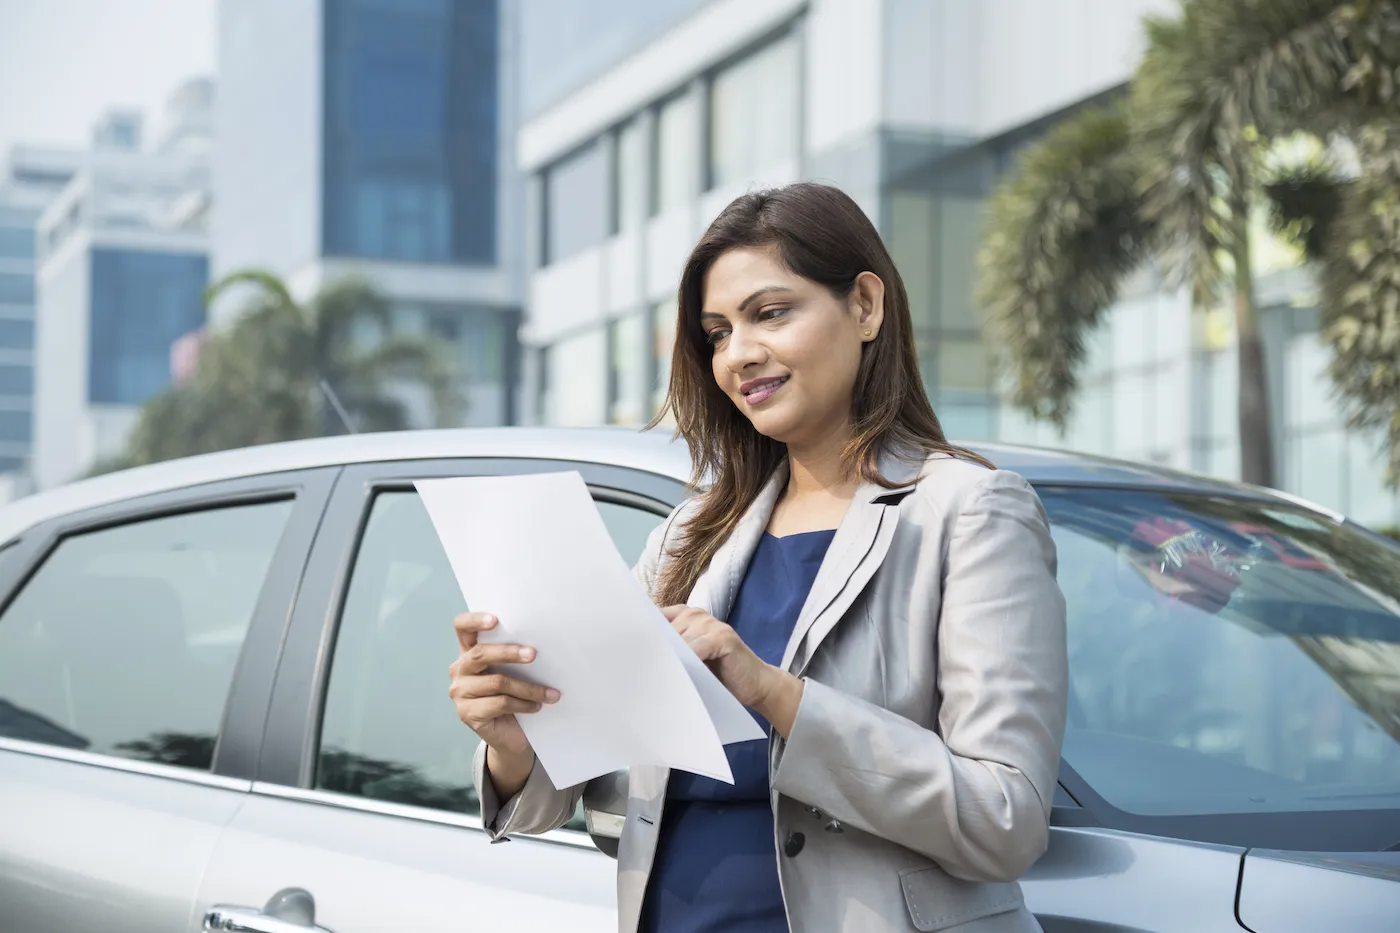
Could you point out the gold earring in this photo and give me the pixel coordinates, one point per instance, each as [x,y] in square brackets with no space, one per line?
[867,333]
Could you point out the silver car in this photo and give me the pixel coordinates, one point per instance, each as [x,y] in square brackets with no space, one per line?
[223,700]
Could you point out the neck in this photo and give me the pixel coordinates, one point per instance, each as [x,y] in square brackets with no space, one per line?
[819,467]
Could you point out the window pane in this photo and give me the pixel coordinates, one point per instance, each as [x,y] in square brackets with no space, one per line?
[16,243]
[627,364]
[16,334]
[16,380]
[389,730]
[630,181]
[577,379]
[753,119]
[1227,656]
[664,325]
[677,155]
[576,202]
[125,641]
[16,288]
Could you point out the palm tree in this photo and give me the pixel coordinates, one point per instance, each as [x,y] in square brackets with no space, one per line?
[1216,86]
[284,371]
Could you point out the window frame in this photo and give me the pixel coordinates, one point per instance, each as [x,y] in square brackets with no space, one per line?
[291,746]
[245,709]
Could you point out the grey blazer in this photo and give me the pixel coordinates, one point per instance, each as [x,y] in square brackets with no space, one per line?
[915,786]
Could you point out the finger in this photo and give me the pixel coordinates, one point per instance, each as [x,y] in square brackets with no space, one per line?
[469,625]
[673,612]
[480,712]
[489,685]
[482,656]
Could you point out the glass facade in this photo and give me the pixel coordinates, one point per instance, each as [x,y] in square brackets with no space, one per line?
[754,107]
[629,177]
[411,129]
[16,288]
[16,242]
[627,395]
[677,153]
[141,303]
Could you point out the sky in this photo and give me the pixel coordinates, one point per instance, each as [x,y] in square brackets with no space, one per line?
[64,62]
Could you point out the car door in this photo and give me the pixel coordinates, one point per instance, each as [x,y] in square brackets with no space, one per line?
[137,647]
[364,808]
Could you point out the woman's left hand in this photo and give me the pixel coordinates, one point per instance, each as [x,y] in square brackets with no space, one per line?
[770,691]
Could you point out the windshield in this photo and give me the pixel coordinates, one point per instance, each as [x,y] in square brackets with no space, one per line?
[1227,656]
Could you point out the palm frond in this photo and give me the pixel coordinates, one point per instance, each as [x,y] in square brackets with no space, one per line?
[1304,198]
[340,309]
[1360,292]
[1063,230]
[266,282]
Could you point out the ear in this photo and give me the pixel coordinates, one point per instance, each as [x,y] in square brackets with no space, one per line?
[867,305]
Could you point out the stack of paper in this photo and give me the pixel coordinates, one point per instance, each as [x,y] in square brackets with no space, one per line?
[533,551]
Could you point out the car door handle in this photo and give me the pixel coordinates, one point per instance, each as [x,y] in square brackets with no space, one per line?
[291,910]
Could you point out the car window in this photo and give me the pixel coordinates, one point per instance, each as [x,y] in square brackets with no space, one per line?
[1226,656]
[389,731]
[124,641]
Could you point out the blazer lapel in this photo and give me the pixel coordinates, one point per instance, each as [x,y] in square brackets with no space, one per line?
[857,550]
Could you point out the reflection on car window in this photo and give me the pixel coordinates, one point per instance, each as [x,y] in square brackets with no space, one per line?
[125,640]
[1227,657]
[389,731]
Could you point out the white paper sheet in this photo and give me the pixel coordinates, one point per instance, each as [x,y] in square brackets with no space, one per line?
[533,551]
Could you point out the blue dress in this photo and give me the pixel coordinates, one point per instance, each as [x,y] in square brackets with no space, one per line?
[716,868]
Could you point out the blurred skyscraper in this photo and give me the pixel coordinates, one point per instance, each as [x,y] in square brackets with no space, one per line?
[122,267]
[374,138]
[29,178]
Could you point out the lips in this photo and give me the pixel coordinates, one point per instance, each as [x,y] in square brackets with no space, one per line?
[758,391]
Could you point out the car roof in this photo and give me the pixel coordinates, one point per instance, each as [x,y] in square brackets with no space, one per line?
[653,451]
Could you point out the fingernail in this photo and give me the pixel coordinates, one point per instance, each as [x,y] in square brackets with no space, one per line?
[552,695]
[488,621]
[527,654]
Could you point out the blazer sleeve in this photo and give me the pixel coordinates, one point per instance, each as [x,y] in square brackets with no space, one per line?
[974,796]
[539,806]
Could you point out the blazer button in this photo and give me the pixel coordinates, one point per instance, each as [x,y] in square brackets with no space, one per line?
[794,844]
[814,813]
[835,827]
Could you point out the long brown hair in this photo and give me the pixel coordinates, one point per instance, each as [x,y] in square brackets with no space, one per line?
[821,234]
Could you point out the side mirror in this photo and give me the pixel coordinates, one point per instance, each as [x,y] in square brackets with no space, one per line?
[605,810]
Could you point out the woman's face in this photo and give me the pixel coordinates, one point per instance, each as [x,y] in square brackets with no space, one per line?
[786,350]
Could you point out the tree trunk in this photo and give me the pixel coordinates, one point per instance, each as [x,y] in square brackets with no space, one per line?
[1256,430]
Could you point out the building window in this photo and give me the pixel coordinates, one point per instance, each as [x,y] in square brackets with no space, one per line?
[16,288]
[577,379]
[17,380]
[663,316]
[630,177]
[16,427]
[16,243]
[141,304]
[754,107]
[627,395]
[576,203]
[411,130]
[16,333]
[677,169]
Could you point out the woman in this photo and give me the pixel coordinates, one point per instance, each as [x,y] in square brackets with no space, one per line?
[889,611]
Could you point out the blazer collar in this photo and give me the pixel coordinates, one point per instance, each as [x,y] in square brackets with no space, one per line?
[859,546]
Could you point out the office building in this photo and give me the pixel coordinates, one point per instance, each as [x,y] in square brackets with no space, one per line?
[916,108]
[122,267]
[30,178]
[372,138]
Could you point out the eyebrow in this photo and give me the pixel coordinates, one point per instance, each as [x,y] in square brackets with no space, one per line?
[744,305]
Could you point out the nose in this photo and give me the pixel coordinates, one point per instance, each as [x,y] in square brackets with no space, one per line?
[743,349]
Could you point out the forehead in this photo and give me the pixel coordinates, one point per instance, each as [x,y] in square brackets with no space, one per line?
[738,273]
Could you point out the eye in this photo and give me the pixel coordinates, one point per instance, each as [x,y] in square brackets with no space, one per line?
[714,336]
[773,313]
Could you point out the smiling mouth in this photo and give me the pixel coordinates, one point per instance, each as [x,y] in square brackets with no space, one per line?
[760,390]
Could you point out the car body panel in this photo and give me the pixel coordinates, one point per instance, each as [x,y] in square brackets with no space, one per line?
[1282,892]
[1092,879]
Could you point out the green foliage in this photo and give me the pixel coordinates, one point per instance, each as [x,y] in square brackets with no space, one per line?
[261,380]
[1220,83]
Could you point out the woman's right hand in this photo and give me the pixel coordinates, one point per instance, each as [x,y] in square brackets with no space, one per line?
[488,702]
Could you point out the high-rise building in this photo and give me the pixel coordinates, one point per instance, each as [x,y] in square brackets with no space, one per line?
[122,267]
[916,108]
[373,138]
[29,179]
